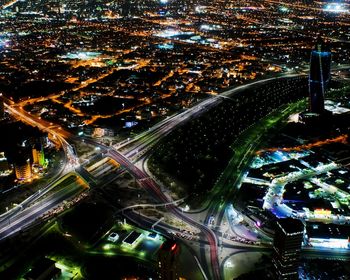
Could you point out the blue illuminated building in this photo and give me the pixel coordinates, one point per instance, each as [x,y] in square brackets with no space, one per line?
[319,76]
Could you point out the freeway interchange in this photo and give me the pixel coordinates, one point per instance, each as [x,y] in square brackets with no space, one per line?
[73,179]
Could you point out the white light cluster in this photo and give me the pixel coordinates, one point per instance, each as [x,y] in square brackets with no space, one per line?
[335,8]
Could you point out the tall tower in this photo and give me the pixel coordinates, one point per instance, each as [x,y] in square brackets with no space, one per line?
[23,169]
[38,155]
[168,260]
[287,246]
[319,76]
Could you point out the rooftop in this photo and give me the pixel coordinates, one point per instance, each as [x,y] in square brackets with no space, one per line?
[320,230]
[290,226]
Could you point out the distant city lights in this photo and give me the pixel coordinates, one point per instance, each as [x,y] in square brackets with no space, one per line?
[335,8]
[335,243]
[166,46]
[168,33]
[4,42]
[210,27]
[200,9]
[81,55]
[284,9]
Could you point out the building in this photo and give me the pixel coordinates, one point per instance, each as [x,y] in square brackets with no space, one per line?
[38,155]
[144,114]
[4,166]
[168,255]
[319,76]
[287,242]
[103,132]
[23,169]
[320,235]
[133,238]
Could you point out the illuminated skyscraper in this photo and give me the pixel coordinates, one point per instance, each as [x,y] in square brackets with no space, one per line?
[4,166]
[38,155]
[23,169]
[287,246]
[319,76]
[167,260]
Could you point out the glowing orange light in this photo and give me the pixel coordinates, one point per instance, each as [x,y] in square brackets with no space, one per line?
[339,139]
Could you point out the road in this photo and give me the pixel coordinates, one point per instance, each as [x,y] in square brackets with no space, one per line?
[226,182]
[32,199]
[60,134]
[134,149]
[67,165]
[151,186]
[30,214]
[127,153]
[138,146]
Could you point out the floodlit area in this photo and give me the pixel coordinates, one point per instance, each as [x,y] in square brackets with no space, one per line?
[335,8]
[81,55]
[267,158]
[68,270]
[336,107]
[131,241]
[330,243]
[302,184]
[191,37]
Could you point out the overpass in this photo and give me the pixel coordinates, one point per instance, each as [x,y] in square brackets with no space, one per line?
[149,205]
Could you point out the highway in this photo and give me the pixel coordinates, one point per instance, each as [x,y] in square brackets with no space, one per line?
[8,4]
[148,205]
[150,185]
[134,149]
[65,168]
[127,154]
[228,185]
[32,199]
[30,214]
[138,146]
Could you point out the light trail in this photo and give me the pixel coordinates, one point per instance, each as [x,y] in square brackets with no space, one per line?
[9,4]
[340,139]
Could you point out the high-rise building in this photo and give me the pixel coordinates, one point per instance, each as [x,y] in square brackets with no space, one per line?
[319,76]
[287,242]
[4,166]
[38,155]
[23,170]
[167,260]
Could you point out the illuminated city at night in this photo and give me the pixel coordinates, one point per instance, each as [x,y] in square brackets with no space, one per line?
[175,139]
